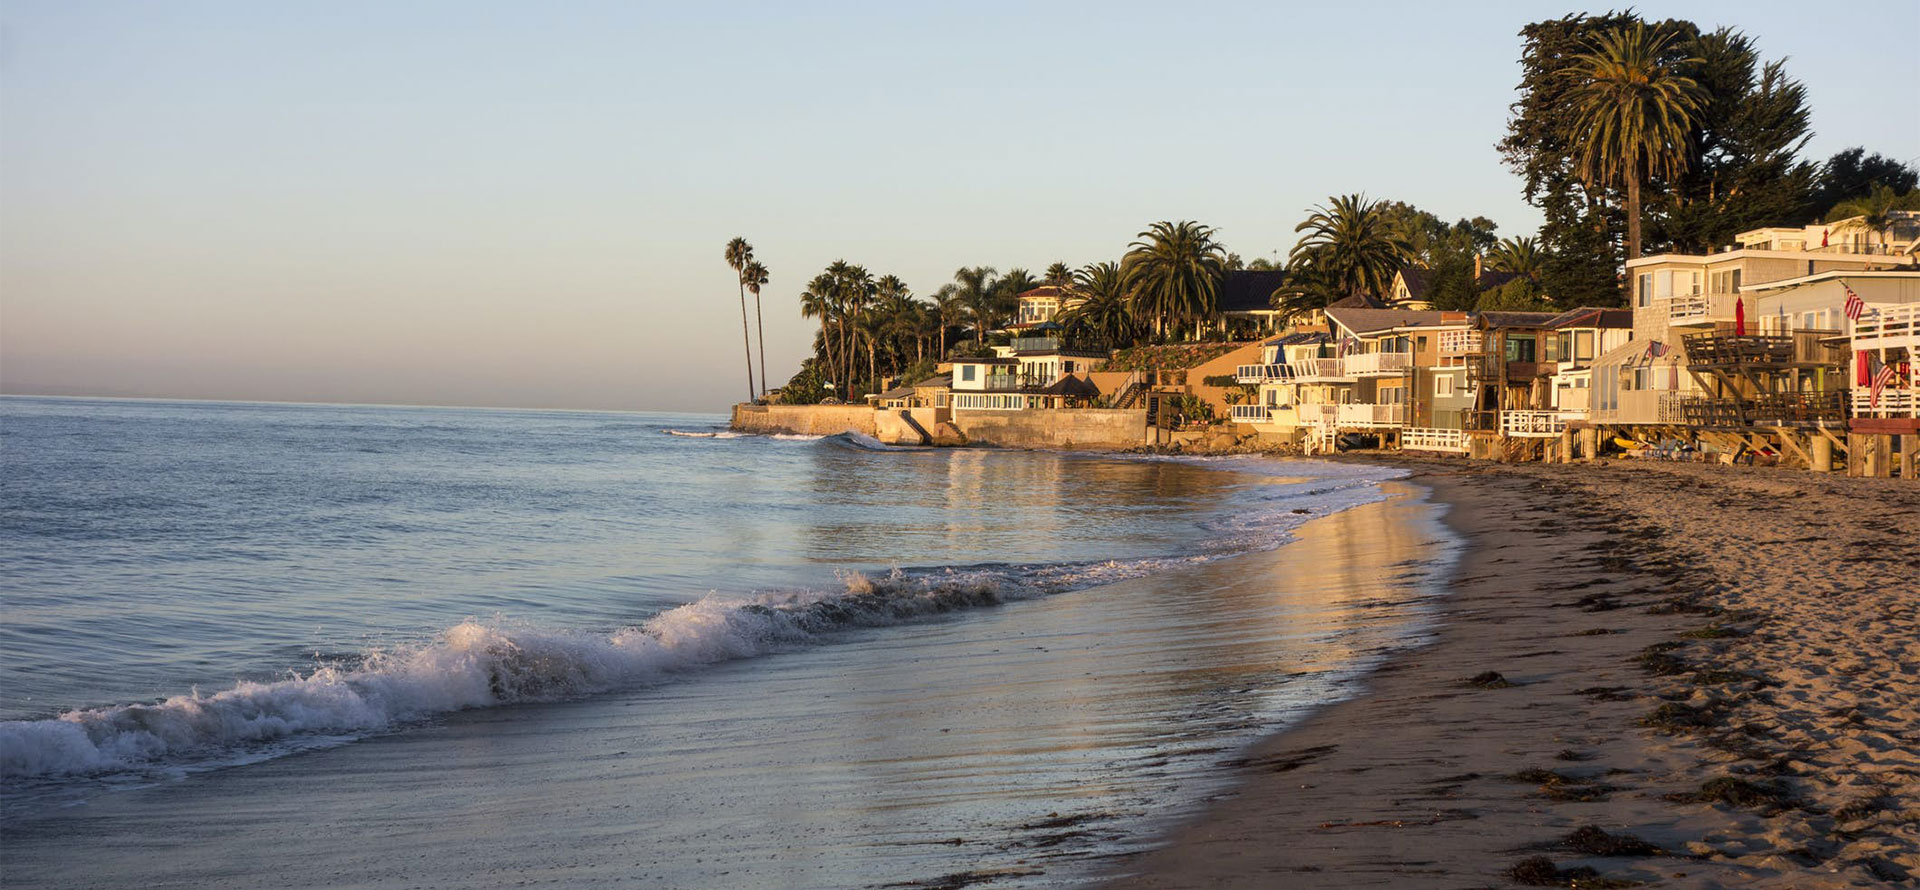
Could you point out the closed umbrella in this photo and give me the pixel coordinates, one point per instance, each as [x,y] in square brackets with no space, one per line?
[1739,317]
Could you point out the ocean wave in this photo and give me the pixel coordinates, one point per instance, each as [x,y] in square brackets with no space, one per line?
[477,664]
[704,434]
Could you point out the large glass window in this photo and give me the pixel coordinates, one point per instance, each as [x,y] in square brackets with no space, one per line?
[1583,345]
[1520,348]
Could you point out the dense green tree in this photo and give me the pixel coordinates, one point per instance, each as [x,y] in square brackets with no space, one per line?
[1059,275]
[1635,114]
[739,254]
[1352,244]
[1105,314]
[949,307]
[1855,174]
[1518,295]
[1876,214]
[1521,256]
[1173,272]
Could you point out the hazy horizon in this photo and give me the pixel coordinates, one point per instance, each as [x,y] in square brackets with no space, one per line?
[501,206]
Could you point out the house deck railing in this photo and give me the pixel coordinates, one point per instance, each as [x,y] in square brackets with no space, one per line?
[1892,403]
[1360,414]
[1318,370]
[1378,364]
[1257,374]
[1888,326]
[1250,413]
[1685,309]
[1531,423]
[1428,439]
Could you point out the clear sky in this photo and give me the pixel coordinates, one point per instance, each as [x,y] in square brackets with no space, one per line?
[525,204]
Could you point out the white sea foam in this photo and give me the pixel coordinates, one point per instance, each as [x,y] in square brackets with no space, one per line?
[705,434]
[480,664]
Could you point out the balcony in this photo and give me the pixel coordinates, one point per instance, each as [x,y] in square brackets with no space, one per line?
[1701,411]
[1251,414]
[1252,375]
[1457,342]
[1370,416]
[1319,370]
[1320,414]
[1700,309]
[1788,408]
[1726,350]
[1378,364]
[1531,424]
[1888,327]
[1892,403]
[1428,439]
[1035,344]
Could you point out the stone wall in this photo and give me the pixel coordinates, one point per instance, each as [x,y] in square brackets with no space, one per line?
[1093,429]
[807,420]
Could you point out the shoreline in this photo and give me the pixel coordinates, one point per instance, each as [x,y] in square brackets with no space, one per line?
[1668,669]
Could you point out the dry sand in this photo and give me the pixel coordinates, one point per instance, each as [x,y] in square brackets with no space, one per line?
[1721,662]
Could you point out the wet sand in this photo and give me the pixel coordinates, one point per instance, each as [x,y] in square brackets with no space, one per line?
[1720,663]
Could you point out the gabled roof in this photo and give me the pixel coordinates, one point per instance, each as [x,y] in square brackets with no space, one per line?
[1489,320]
[898,392]
[1045,290]
[1591,317]
[1356,301]
[1250,290]
[987,360]
[1419,280]
[936,381]
[1070,385]
[1367,321]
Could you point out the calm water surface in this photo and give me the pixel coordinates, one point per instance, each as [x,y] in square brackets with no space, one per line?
[593,649]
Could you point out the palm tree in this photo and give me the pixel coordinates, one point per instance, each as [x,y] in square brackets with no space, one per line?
[1173,272]
[1875,213]
[855,291]
[739,254]
[976,293]
[817,301]
[1352,246]
[1059,275]
[1304,290]
[950,307]
[754,276]
[1518,255]
[1104,314]
[1634,113]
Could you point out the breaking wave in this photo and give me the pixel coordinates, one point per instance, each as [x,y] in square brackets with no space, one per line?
[477,664]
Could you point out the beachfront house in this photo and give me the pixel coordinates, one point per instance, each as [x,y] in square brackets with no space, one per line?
[1572,342]
[1043,305]
[1437,385]
[1639,388]
[1245,300]
[1412,286]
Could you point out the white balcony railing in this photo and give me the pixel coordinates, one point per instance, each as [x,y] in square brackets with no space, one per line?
[1531,423]
[1893,403]
[1689,309]
[1365,415]
[1310,414]
[1318,370]
[1251,414]
[1378,364]
[1257,374]
[1459,342]
[1429,439]
[1884,326]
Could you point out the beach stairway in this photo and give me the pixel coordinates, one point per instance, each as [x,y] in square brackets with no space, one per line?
[897,427]
[1129,396]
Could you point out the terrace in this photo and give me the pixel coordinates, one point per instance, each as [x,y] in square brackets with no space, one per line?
[1724,350]
[1320,370]
[1378,364]
[1250,413]
[1257,374]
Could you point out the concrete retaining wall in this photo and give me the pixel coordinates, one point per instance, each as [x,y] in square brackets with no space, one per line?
[1097,429]
[806,420]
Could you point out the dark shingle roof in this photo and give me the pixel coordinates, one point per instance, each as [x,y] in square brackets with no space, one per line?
[1356,301]
[1070,385]
[1250,290]
[1516,319]
[1365,321]
[1591,317]
[1298,339]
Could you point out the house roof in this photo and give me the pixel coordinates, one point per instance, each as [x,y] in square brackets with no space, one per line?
[1591,317]
[1367,321]
[1516,319]
[1299,339]
[1071,385]
[987,360]
[1045,290]
[898,392]
[936,381]
[1356,301]
[1250,290]
[1419,280]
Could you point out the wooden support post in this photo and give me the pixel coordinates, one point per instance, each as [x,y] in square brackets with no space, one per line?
[1820,458]
[1566,446]
[1910,457]
[1856,454]
[1788,446]
[1881,463]
[1590,443]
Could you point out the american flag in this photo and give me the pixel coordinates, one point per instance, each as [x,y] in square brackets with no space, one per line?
[1656,349]
[1881,377]
[1855,305]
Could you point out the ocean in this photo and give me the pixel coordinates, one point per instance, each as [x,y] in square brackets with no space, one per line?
[313,646]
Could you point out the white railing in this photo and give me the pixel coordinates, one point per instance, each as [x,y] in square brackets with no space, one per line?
[1252,374]
[1250,413]
[1378,363]
[993,402]
[1317,369]
[1531,423]
[1893,403]
[1887,326]
[1311,414]
[1459,342]
[1365,415]
[1416,438]
[1683,309]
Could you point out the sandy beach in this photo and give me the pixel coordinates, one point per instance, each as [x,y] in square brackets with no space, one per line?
[1682,675]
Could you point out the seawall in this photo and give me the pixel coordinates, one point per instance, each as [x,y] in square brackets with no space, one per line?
[806,420]
[1095,429]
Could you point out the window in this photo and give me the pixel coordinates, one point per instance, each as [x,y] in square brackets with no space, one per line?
[1663,284]
[1443,385]
[1420,342]
[1583,345]
[1556,346]
[1642,378]
[967,372]
[1520,348]
[1645,291]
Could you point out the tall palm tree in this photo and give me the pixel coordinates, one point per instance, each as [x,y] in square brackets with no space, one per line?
[855,291]
[739,254]
[976,293]
[754,276]
[1634,114]
[950,306]
[1352,245]
[1059,275]
[817,301]
[1173,272]
[1522,256]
